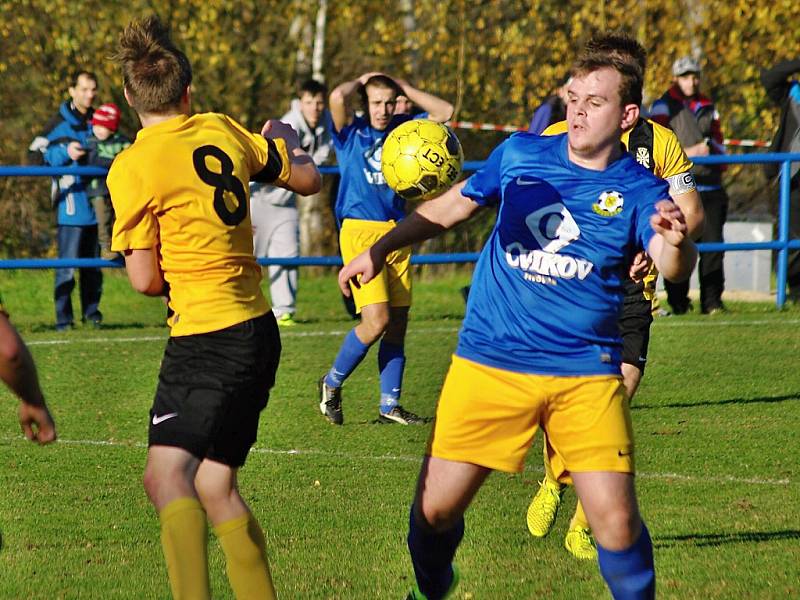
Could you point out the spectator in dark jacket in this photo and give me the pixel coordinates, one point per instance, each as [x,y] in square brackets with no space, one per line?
[695,120]
[785,92]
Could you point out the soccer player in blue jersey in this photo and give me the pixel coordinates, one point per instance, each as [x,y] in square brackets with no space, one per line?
[540,344]
[366,208]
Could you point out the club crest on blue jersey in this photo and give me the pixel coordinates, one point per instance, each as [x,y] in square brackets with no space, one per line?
[608,204]
[372,156]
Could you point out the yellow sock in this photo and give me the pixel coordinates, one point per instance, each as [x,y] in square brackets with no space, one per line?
[243,543]
[579,518]
[184,538]
[549,476]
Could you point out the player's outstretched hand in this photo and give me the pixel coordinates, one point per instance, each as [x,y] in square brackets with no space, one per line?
[36,423]
[669,222]
[640,266]
[362,269]
[274,128]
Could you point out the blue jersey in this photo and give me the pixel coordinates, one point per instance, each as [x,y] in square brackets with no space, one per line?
[363,192]
[547,289]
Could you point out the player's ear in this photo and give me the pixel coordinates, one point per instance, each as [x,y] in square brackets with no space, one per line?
[630,114]
[127,96]
[186,98]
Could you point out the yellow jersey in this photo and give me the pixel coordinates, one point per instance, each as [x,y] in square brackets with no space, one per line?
[182,188]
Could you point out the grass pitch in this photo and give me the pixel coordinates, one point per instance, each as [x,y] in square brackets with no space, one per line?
[718,435]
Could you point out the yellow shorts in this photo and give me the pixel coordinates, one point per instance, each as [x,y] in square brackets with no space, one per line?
[488,416]
[393,283]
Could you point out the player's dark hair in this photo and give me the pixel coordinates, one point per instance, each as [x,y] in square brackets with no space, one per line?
[378,81]
[618,44]
[630,87]
[313,87]
[75,75]
[155,73]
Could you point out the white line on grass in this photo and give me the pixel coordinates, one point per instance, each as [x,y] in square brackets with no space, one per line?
[155,338]
[418,459]
[412,331]
[711,322]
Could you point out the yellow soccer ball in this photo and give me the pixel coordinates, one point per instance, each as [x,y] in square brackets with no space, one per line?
[421,159]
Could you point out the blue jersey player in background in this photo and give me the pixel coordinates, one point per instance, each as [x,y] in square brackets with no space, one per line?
[366,208]
[540,345]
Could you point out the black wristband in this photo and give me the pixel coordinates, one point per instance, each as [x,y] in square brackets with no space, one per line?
[274,165]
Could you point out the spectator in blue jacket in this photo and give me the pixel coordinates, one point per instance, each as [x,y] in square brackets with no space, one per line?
[66,139]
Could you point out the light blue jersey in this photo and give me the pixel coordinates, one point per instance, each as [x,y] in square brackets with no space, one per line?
[363,192]
[547,289]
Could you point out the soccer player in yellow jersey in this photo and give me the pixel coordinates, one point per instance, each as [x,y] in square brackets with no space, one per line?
[657,149]
[180,193]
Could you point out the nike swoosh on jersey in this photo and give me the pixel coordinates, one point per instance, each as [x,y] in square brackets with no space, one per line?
[162,418]
[521,181]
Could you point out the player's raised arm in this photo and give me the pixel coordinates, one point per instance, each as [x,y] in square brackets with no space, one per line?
[429,220]
[337,101]
[438,109]
[672,249]
[304,177]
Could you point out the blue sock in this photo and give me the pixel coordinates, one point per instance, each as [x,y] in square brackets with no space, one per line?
[630,573]
[432,555]
[391,363]
[351,353]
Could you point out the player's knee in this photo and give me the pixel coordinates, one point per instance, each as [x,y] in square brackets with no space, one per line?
[373,327]
[437,517]
[212,494]
[151,484]
[618,528]
[162,483]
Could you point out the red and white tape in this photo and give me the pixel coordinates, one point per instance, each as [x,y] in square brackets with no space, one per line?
[513,128]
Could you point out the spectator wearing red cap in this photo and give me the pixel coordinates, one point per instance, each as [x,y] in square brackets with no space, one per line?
[103,145]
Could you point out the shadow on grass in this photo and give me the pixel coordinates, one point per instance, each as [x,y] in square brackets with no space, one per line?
[718,539]
[762,400]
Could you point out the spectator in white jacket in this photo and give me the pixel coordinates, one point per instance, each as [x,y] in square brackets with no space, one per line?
[274,210]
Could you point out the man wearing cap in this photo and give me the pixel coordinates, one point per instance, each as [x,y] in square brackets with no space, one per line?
[102,146]
[695,120]
[63,144]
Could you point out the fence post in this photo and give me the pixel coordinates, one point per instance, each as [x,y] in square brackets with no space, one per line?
[783,234]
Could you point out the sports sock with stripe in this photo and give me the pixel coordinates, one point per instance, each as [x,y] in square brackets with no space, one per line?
[391,363]
[351,353]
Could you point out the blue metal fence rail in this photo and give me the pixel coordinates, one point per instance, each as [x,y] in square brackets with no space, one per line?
[782,245]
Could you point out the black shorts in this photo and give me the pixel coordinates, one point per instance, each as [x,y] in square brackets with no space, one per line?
[634,327]
[212,388]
